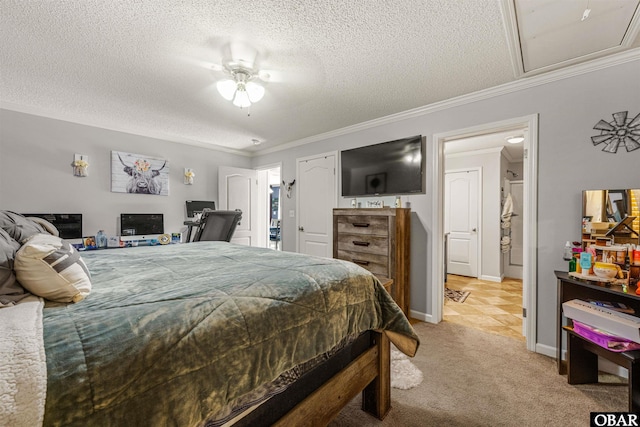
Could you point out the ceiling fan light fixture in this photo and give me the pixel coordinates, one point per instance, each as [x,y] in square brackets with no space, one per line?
[227,88]
[241,99]
[255,91]
[240,90]
[515,139]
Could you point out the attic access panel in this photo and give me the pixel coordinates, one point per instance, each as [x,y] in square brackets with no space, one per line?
[554,33]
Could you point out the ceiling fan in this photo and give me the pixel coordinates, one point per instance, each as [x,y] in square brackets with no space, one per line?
[241,81]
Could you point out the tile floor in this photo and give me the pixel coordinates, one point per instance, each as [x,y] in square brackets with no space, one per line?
[492,307]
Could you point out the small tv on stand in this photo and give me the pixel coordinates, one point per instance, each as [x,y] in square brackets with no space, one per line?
[195,207]
[139,226]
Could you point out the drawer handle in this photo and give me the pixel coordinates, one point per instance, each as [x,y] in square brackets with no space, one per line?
[360,243]
[360,224]
[361,262]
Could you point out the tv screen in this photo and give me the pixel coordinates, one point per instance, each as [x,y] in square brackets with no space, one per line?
[196,206]
[142,226]
[69,225]
[389,168]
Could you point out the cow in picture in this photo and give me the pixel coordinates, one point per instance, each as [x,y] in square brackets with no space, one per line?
[143,179]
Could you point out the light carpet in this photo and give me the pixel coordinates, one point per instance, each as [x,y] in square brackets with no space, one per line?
[475,378]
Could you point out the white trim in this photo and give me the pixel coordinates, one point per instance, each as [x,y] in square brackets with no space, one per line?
[507,8]
[497,279]
[263,186]
[530,218]
[418,315]
[504,89]
[547,351]
[480,209]
[103,124]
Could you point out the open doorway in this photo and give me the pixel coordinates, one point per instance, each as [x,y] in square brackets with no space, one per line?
[270,207]
[528,127]
[483,228]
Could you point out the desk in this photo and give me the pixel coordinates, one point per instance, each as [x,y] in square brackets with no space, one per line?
[572,288]
[190,225]
[582,361]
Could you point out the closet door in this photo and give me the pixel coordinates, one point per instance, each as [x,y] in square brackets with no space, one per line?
[461,222]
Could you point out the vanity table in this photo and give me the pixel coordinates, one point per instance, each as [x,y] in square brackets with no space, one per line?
[570,288]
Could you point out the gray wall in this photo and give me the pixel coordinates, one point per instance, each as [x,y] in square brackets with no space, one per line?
[36,174]
[35,171]
[567,164]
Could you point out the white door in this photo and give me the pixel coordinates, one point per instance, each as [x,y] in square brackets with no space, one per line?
[316,182]
[515,258]
[238,189]
[461,222]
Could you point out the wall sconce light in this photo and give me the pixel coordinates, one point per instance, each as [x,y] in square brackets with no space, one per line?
[80,165]
[189,174]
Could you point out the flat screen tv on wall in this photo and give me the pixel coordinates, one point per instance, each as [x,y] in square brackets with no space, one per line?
[389,168]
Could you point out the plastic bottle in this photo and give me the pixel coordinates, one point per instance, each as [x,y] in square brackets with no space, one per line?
[101,240]
[568,251]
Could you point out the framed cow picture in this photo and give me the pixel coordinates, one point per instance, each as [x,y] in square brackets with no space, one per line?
[139,174]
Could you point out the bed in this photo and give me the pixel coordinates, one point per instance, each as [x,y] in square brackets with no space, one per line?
[208,333]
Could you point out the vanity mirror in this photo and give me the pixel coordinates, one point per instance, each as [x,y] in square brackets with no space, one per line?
[611,215]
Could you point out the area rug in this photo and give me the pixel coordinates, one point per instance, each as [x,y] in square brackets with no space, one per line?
[455,296]
[404,374]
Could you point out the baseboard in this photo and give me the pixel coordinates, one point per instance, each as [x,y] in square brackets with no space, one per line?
[546,350]
[497,279]
[421,316]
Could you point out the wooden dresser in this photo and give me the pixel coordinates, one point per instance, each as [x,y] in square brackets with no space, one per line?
[377,239]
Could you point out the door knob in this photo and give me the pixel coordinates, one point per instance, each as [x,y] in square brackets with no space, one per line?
[474,230]
[300,228]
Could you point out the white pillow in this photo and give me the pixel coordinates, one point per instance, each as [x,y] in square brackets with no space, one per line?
[50,267]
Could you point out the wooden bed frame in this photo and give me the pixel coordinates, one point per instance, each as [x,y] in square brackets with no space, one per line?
[369,373]
[320,394]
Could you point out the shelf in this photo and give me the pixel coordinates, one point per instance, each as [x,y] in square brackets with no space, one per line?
[609,248]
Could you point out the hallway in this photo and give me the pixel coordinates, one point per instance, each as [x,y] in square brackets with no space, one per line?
[491,306]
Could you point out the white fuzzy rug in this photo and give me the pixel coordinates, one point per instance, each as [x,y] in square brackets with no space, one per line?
[23,368]
[404,374]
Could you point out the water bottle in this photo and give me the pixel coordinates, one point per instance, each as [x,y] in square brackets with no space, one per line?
[101,240]
[568,251]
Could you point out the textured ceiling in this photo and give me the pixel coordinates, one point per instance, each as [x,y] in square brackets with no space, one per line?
[149,66]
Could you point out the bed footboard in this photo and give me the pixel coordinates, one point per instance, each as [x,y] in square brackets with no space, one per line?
[369,373]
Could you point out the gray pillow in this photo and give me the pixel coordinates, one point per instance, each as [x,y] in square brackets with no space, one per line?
[10,290]
[19,227]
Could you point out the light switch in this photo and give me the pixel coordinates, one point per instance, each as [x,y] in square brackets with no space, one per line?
[292,213]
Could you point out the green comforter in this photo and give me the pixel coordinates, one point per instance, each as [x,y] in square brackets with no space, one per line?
[171,334]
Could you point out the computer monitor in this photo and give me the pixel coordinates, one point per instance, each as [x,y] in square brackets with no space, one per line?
[197,206]
[136,226]
[69,225]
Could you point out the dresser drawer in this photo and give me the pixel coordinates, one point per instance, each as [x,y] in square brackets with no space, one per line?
[363,224]
[377,264]
[364,243]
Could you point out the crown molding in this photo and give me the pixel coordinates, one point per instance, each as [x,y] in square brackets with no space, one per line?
[71,118]
[507,88]
[504,89]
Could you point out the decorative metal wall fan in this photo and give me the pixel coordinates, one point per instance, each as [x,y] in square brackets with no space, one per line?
[619,131]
